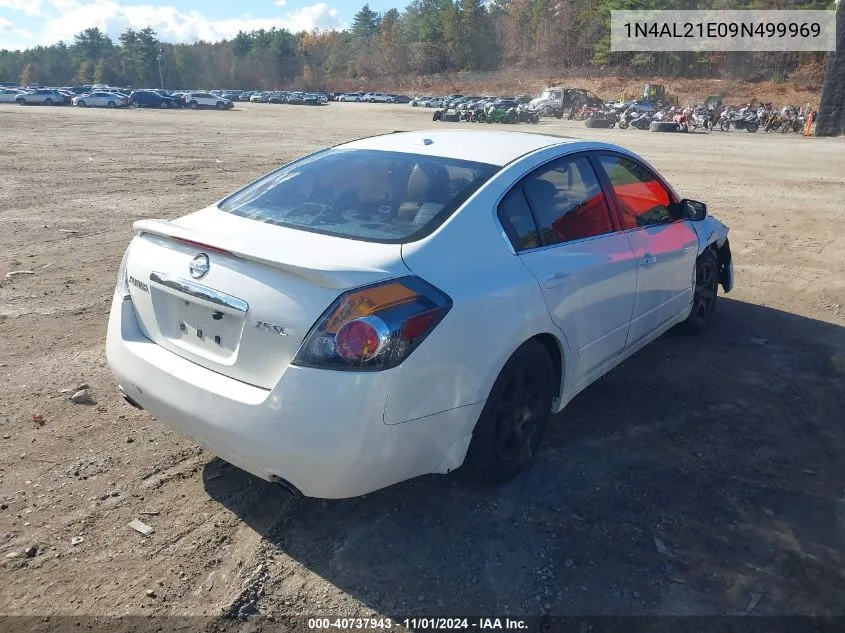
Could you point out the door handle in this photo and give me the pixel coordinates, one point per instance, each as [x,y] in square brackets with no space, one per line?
[558,279]
[648,259]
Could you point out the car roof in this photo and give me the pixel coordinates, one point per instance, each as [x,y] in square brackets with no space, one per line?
[492,147]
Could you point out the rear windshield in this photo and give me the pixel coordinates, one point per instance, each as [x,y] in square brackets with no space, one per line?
[367,195]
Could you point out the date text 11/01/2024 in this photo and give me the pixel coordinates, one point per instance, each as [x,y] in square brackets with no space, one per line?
[721,29]
[419,624]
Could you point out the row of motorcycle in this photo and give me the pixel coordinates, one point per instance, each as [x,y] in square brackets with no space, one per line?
[706,117]
[495,111]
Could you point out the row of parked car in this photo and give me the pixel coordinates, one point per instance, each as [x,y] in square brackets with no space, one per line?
[108,97]
[281,96]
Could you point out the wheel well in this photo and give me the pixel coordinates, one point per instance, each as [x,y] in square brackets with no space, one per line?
[553,349]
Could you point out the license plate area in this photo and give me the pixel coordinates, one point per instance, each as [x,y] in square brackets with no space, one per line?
[197,324]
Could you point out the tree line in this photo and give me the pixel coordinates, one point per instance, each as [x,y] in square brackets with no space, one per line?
[385,49]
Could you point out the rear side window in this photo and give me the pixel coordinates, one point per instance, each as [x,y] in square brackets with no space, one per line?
[567,201]
[643,200]
[369,195]
[517,221]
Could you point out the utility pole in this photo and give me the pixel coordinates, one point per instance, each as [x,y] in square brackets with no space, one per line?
[831,117]
[160,76]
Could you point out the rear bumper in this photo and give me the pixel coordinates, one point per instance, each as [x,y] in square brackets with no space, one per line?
[321,431]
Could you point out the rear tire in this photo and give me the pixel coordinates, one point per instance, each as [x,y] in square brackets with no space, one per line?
[164,105]
[48,102]
[20,102]
[193,105]
[111,104]
[219,105]
[705,293]
[599,122]
[663,126]
[514,417]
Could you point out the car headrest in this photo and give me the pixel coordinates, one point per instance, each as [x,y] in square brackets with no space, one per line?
[418,184]
[541,194]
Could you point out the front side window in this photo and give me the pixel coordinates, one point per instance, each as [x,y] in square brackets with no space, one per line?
[379,196]
[567,201]
[642,198]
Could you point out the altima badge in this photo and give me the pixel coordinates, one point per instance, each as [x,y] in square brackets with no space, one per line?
[199,266]
[281,330]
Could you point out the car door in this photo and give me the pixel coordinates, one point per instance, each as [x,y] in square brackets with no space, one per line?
[560,224]
[665,247]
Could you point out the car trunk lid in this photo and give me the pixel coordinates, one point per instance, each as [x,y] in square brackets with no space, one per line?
[238,296]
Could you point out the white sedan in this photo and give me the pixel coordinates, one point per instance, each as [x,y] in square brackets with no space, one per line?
[9,95]
[101,100]
[407,303]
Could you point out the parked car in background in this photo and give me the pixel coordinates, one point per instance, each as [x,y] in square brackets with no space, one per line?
[230,96]
[322,97]
[434,102]
[259,97]
[40,96]
[9,95]
[277,97]
[418,101]
[99,99]
[197,100]
[377,97]
[296,98]
[401,98]
[351,96]
[152,99]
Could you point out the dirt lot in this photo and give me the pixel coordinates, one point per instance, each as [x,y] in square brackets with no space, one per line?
[703,476]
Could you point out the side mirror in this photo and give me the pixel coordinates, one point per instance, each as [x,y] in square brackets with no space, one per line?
[692,210]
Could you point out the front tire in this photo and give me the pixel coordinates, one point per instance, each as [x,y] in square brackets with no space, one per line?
[514,417]
[164,105]
[193,105]
[705,293]
[48,102]
[219,105]
[111,104]
[81,104]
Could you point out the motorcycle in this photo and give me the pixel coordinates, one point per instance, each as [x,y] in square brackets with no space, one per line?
[682,119]
[500,115]
[774,122]
[527,115]
[627,116]
[701,116]
[742,119]
[793,121]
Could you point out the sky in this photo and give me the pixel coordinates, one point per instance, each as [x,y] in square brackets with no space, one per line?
[26,23]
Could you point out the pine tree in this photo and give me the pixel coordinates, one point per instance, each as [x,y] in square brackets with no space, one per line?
[366,22]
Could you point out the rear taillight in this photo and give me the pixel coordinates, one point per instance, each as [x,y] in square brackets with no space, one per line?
[123,278]
[375,327]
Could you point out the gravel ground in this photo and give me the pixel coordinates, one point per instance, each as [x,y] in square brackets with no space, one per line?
[703,476]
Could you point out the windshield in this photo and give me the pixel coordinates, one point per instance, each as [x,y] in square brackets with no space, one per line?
[369,195]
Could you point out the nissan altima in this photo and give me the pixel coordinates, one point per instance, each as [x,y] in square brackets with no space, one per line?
[407,303]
